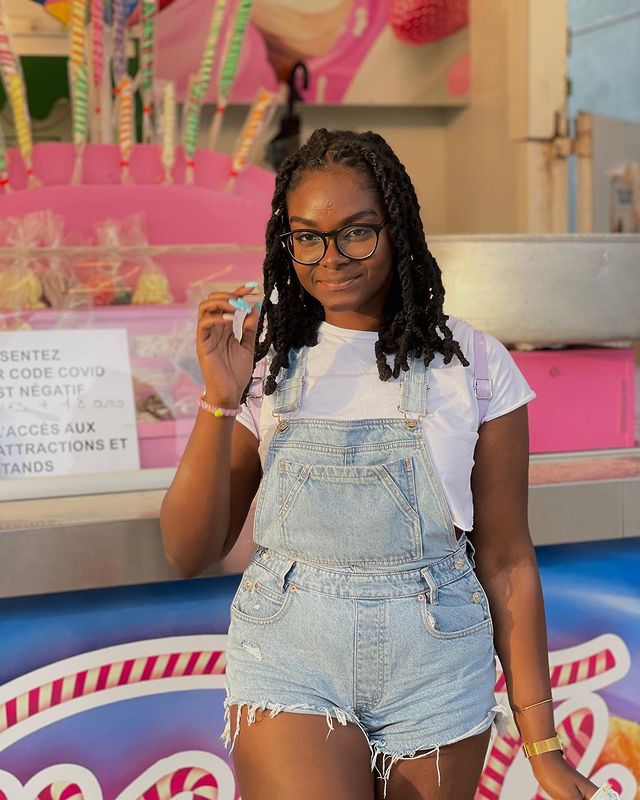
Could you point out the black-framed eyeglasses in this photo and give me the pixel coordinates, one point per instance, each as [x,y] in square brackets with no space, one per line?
[357,241]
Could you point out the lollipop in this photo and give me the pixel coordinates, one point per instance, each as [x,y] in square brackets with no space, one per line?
[191,128]
[125,124]
[80,94]
[208,55]
[256,120]
[168,119]
[230,67]
[14,86]
[8,63]
[76,26]
[97,57]
[119,51]
[147,54]
[22,122]
[198,86]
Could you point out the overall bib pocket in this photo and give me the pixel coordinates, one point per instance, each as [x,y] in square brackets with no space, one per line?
[365,515]
[460,608]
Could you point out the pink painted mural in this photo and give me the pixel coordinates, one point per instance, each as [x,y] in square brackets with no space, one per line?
[359,52]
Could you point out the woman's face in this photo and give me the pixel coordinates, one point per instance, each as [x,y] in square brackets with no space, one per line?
[353,293]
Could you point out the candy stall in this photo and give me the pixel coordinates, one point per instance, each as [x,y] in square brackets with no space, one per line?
[113,669]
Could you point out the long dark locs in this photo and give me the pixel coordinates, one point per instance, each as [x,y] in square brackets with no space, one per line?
[413,319]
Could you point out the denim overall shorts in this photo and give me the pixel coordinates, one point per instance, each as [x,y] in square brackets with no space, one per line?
[359,602]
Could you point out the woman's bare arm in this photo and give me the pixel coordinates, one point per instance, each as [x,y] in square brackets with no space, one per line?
[507,568]
[207,503]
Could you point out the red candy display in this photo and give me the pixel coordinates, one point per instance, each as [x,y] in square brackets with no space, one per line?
[426,21]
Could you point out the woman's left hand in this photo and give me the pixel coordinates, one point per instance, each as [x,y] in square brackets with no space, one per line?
[559,779]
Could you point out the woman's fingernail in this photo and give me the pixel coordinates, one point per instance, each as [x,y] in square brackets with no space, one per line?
[258,304]
[241,304]
[251,284]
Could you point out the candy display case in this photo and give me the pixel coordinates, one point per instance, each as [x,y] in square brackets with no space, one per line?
[584,442]
[160,335]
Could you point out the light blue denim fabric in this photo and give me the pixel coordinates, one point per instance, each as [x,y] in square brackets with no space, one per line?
[359,602]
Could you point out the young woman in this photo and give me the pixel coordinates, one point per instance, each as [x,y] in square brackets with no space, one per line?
[361,651]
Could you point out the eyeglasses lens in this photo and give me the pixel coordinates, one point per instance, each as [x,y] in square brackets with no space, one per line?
[356,241]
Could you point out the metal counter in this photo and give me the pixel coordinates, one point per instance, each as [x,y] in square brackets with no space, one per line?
[109,538]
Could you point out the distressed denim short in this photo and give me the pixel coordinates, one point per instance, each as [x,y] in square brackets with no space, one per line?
[359,603]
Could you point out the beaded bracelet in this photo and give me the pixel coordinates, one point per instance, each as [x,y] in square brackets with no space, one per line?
[217,411]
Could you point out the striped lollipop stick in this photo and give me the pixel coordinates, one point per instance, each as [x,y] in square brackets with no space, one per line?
[97,66]
[230,66]
[198,86]
[504,750]
[125,125]
[199,782]
[89,682]
[22,121]
[8,61]
[191,128]
[80,94]
[567,673]
[77,32]
[15,89]
[257,119]
[167,91]
[62,790]
[119,42]
[147,61]
[4,169]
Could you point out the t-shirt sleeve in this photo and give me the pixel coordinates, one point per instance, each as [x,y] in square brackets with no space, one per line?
[510,389]
[249,414]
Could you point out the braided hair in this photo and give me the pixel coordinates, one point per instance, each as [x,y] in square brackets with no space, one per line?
[413,318]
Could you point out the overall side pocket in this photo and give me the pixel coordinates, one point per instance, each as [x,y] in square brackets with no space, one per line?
[461,609]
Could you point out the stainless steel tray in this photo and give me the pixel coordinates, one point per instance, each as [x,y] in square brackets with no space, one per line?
[568,289]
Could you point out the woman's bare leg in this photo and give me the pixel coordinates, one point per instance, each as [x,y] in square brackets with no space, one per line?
[290,757]
[460,768]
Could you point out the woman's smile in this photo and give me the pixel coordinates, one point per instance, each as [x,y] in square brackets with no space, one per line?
[337,285]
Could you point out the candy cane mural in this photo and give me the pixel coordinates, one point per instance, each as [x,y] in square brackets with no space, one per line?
[77,684]
[582,721]
[141,719]
[106,676]
[194,775]
[60,782]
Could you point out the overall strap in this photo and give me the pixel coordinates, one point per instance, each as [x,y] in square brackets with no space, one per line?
[481,380]
[289,391]
[415,387]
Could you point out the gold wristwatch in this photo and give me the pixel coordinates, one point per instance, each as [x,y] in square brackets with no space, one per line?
[542,746]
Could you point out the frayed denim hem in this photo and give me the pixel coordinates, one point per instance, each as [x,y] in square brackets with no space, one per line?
[377,748]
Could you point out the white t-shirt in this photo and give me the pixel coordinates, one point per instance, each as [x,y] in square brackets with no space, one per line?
[342,383]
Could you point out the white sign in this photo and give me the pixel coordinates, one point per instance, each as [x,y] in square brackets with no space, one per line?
[66,403]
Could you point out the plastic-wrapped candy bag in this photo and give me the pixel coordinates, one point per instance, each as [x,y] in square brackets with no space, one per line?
[21,272]
[152,287]
[20,287]
[137,278]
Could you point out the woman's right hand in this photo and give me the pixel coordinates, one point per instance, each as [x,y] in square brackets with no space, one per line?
[226,363]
